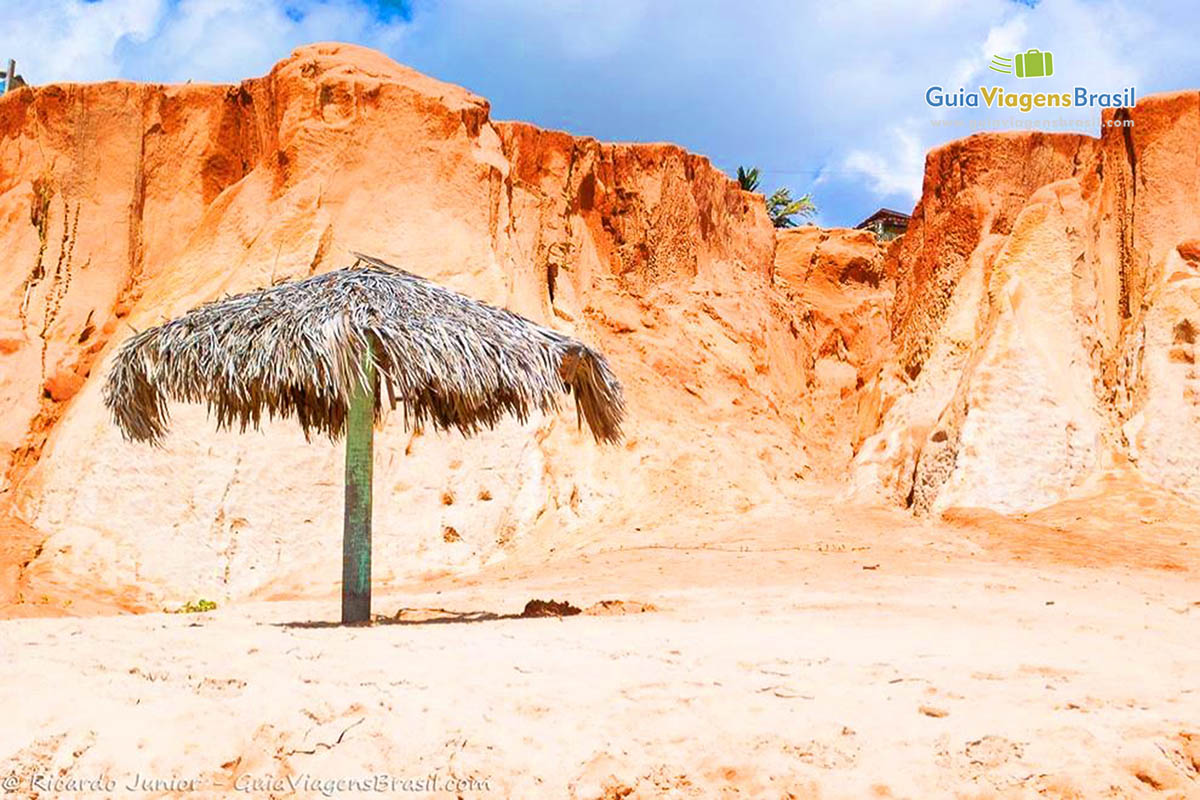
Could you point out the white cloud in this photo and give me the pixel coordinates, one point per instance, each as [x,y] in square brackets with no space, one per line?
[897,168]
[158,40]
[789,89]
[1002,40]
[75,40]
[227,40]
[1104,45]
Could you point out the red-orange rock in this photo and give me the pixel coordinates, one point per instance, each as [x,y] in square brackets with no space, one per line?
[63,384]
[127,204]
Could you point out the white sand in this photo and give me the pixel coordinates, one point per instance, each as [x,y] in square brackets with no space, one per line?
[776,666]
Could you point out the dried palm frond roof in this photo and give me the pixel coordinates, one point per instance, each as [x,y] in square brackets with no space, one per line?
[298,349]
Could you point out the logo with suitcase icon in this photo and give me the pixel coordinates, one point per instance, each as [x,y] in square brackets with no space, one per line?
[1033,63]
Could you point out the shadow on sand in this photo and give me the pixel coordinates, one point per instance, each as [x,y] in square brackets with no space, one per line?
[534,609]
[422,616]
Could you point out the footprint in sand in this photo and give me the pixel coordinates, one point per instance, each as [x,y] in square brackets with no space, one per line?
[993,751]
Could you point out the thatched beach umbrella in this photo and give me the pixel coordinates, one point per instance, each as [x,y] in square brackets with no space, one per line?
[325,349]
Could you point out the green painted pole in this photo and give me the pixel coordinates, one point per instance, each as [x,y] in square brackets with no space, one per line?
[356,537]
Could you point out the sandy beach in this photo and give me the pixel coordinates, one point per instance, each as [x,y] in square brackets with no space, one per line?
[806,657]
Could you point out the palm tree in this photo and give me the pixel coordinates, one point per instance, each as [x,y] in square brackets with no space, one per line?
[331,349]
[748,178]
[781,208]
[780,205]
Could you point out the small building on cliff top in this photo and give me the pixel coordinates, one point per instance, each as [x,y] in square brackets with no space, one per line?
[885,223]
[10,79]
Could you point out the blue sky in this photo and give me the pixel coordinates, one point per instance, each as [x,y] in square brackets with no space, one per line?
[826,97]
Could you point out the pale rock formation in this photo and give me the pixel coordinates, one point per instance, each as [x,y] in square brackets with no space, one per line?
[1045,302]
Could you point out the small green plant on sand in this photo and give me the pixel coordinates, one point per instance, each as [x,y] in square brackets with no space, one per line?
[198,607]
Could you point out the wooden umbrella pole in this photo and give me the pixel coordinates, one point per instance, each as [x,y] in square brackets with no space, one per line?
[356,538]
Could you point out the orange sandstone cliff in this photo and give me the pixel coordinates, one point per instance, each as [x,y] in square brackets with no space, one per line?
[125,204]
[1034,329]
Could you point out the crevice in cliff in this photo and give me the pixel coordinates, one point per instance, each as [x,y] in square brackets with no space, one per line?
[912,481]
[1128,196]
[39,217]
[1122,115]
[551,247]
[504,190]
[137,208]
[60,281]
[510,149]
[561,249]
[938,457]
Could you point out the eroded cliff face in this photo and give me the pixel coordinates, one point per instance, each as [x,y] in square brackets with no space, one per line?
[123,205]
[1044,318]
[1035,329]
[837,289]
